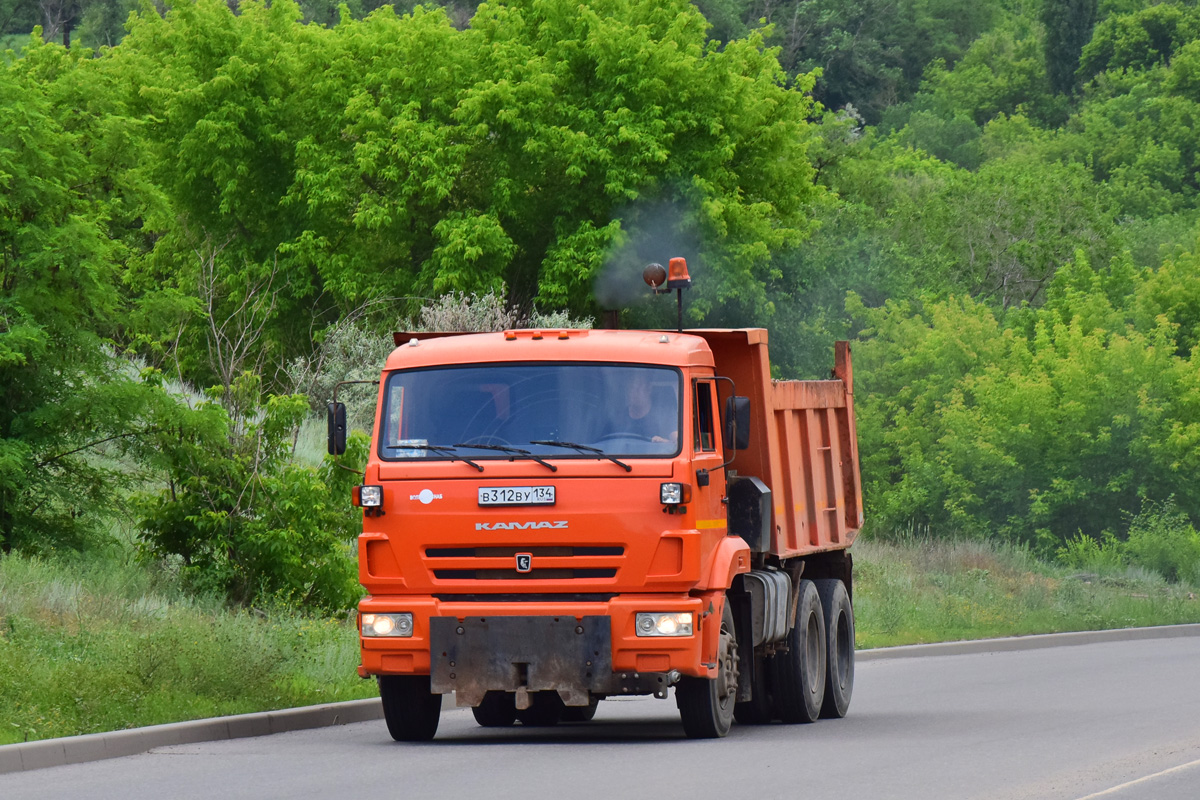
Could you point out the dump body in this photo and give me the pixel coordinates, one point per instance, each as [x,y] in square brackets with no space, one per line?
[803,444]
[524,523]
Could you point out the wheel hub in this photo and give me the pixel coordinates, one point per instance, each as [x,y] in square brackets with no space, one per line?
[727,680]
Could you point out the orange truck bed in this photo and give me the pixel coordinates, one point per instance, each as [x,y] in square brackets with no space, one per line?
[803,444]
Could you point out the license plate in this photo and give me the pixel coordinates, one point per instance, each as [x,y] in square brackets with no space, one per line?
[516,495]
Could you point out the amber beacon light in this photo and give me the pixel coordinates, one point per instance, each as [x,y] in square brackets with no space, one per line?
[677,274]
[675,277]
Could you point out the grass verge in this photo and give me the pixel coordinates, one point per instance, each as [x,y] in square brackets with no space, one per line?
[106,643]
[96,646]
[937,591]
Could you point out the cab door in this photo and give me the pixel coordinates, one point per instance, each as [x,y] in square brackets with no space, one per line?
[708,478]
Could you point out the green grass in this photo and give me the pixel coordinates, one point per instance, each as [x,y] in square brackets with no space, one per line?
[936,591]
[100,643]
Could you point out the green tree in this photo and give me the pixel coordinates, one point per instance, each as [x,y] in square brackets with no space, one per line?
[1003,72]
[102,22]
[871,53]
[63,208]
[1068,26]
[1139,141]
[400,156]
[18,17]
[1139,40]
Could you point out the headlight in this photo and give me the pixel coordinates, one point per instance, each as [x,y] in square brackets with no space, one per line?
[675,623]
[387,625]
[673,494]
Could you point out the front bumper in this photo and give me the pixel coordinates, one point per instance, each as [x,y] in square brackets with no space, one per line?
[538,645]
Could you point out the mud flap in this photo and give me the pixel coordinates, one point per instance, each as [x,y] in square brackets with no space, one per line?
[475,655]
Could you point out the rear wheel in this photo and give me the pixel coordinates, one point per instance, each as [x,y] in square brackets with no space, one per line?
[545,709]
[706,705]
[800,672]
[498,710]
[758,710]
[581,713]
[839,635]
[409,708]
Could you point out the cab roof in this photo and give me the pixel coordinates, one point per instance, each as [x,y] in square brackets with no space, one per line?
[667,348]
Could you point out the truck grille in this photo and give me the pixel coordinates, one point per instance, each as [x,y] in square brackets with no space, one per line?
[565,562]
[511,552]
[513,575]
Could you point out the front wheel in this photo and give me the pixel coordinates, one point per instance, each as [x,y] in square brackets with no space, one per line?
[706,705]
[410,709]
[498,710]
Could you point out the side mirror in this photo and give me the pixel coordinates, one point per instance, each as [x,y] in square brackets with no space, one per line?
[737,423]
[337,428]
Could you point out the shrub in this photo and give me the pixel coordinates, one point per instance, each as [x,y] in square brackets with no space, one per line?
[238,517]
[1162,539]
[350,351]
[1086,552]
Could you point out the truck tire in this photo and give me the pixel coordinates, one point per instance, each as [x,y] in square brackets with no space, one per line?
[800,672]
[409,708]
[758,710]
[581,713]
[545,710]
[706,705]
[839,639]
[498,710]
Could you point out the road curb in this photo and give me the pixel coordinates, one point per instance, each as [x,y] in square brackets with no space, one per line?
[1032,642]
[98,746]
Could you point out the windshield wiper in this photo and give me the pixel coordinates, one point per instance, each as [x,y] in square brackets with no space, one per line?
[514,450]
[584,448]
[438,448]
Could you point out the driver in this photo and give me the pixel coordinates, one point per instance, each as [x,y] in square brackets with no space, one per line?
[644,419]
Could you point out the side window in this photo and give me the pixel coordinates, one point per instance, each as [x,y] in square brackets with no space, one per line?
[703,418]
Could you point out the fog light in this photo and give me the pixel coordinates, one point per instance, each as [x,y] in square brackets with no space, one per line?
[387,625]
[669,624]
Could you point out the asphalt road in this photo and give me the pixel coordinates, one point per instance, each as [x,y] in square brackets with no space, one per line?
[1117,720]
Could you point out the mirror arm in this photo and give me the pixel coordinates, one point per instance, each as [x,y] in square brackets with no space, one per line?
[732,450]
[332,405]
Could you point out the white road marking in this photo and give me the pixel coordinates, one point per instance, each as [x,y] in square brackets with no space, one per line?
[1144,779]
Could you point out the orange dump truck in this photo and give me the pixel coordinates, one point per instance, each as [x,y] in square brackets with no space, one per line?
[555,517]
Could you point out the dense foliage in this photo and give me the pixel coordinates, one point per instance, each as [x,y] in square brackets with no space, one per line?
[220,192]
[1036,424]
[998,200]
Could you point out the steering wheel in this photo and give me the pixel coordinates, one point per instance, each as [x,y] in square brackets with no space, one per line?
[624,435]
[492,440]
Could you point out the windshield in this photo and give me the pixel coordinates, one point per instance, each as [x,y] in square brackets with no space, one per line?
[519,410]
